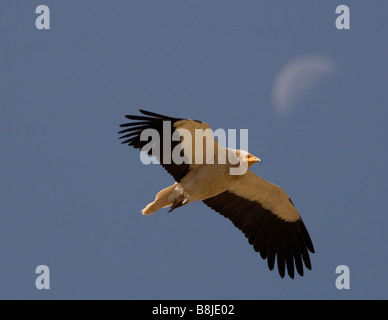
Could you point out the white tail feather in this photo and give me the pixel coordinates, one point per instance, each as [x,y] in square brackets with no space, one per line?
[163,199]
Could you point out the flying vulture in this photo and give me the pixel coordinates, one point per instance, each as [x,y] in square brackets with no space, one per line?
[260,209]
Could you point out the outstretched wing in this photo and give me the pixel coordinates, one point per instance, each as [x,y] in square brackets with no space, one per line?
[165,127]
[267,217]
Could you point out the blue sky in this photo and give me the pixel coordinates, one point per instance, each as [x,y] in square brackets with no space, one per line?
[71,194]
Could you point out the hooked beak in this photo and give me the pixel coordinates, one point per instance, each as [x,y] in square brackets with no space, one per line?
[257,160]
[253,160]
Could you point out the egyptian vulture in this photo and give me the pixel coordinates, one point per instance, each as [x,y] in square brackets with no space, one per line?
[260,209]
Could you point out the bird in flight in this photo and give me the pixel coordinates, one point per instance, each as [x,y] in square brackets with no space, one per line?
[261,210]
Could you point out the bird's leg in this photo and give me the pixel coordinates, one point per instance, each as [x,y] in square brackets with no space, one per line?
[178,202]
